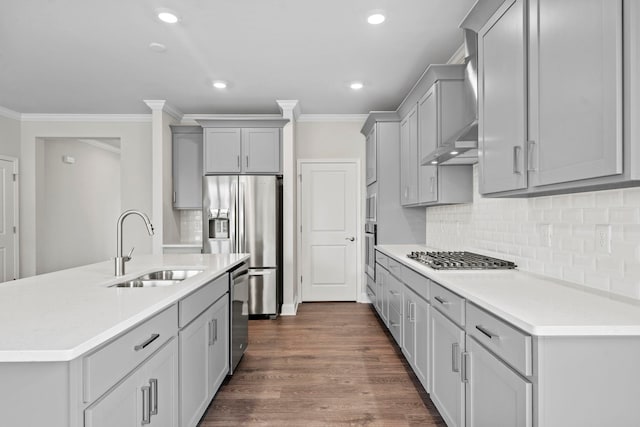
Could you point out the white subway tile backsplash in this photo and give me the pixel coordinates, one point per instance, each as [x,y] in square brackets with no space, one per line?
[511,229]
[190,226]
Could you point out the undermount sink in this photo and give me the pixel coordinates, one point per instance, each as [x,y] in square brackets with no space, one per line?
[157,279]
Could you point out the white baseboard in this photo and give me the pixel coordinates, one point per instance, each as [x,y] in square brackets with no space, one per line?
[289,309]
[364,298]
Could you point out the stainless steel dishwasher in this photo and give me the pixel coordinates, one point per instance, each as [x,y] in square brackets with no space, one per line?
[239,314]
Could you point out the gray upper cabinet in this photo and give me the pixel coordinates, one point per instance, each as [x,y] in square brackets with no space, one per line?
[443,111]
[187,167]
[576,119]
[242,146]
[550,83]
[428,142]
[261,150]
[502,98]
[408,158]
[372,156]
[222,150]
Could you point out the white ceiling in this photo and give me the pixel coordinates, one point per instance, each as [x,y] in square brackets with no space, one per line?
[92,56]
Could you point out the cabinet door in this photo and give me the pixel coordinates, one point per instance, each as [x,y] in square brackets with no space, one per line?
[160,373]
[218,359]
[447,388]
[194,367]
[382,304]
[575,90]
[122,406]
[148,396]
[421,350]
[372,156]
[187,170]
[502,100]
[428,140]
[408,325]
[261,150]
[222,150]
[496,395]
[409,160]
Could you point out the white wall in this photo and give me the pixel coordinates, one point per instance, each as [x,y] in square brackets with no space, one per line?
[78,205]
[9,137]
[135,177]
[513,228]
[335,140]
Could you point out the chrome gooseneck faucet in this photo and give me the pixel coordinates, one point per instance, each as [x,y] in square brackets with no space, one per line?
[120,259]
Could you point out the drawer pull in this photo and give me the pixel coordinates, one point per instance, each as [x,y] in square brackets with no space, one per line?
[153,382]
[487,332]
[442,300]
[394,293]
[455,350]
[394,325]
[149,340]
[146,405]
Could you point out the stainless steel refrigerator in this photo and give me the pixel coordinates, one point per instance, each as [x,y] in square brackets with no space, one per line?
[243,213]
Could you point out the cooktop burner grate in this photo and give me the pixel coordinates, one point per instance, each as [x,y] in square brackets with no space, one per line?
[460,260]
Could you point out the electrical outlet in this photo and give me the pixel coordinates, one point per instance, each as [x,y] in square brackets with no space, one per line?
[544,233]
[603,238]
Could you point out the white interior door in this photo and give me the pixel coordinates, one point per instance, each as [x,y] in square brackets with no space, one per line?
[7,221]
[329,201]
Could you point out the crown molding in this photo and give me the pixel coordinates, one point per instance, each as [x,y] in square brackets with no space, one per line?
[10,114]
[192,119]
[130,118]
[289,105]
[333,118]
[162,105]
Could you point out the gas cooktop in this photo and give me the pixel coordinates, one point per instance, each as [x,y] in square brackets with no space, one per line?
[460,261]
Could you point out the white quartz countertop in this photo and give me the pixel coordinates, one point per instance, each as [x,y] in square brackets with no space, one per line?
[62,315]
[538,305]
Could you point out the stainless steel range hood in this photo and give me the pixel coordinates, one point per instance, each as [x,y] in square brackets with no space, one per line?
[462,148]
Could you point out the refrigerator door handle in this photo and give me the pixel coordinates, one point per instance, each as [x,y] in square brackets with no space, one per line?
[240,243]
[261,272]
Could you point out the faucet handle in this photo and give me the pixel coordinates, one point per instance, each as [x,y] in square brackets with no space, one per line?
[128,257]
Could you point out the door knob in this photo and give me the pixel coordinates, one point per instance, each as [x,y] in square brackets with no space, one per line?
[351,239]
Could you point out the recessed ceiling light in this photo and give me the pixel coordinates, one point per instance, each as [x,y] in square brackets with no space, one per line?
[453,153]
[168,17]
[356,86]
[220,84]
[434,162]
[376,18]
[157,47]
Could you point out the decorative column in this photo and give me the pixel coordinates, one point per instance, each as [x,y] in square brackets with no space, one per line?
[162,115]
[290,298]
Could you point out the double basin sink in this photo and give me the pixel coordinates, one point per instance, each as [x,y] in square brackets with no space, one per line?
[158,278]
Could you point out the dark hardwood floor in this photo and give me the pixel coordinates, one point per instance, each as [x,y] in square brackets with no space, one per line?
[332,364]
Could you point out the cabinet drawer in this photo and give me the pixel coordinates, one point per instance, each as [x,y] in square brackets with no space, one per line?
[197,302]
[448,303]
[395,268]
[507,342]
[395,293]
[395,322]
[417,282]
[106,366]
[382,259]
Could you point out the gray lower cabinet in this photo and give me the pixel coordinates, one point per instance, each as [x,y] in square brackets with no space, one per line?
[447,388]
[201,361]
[382,283]
[415,330]
[187,167]
[147,396]
[242,150]
[495,394]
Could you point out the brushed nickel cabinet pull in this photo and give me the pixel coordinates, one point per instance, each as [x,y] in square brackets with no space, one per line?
[465,368]
[455,350]
[146,405]
[487,332]
[441,300]
[153,383]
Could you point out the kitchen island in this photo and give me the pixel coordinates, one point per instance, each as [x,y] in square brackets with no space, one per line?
[75,351]
[506,347]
